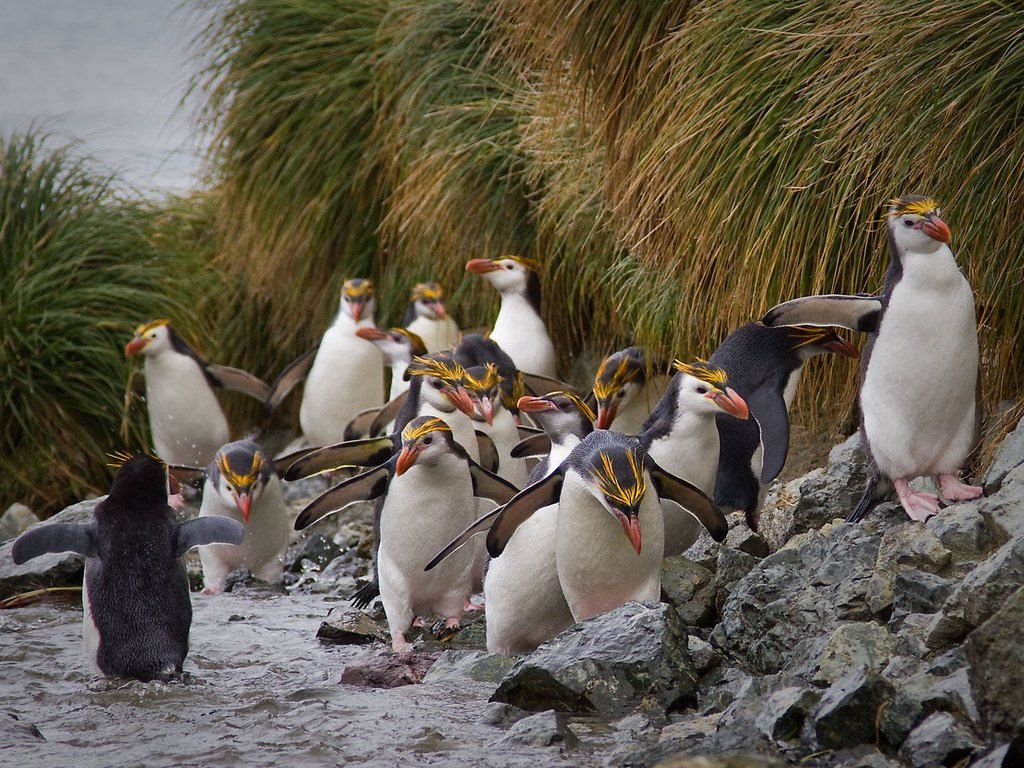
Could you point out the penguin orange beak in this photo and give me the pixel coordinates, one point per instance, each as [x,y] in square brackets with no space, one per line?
[357,310]
[370,333]
[842,347]
[730,402]
[458,397]
[133,347]
[486,409]
[606,414]
[406,459]
[631,527]
[529,404]
[442,313]
[936,229]
[244,504]
[482,266]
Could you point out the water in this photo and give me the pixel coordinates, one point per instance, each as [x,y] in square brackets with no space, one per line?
[260,691]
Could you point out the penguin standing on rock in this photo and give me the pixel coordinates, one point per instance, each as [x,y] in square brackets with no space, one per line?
[242,483]
[344,373]
[428,490]
[427,317]
[919,373]
[519,328]
[186,421]
[764,365]
[626,389]
[135,599]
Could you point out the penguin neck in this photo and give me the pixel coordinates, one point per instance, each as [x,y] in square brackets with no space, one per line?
[344,321]
[518,315]
[561,447]
[398,382]
[937,271]
[789,393]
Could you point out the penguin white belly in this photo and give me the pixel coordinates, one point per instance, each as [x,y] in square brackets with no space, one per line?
[398,382]
[918,396]
[424,510]
[520,332]
[90,632]
[264,540]
[598,569]
[437,335]
[185,417]
[525,604]
[690,452]
[630,419]
[346,377]
[505,435]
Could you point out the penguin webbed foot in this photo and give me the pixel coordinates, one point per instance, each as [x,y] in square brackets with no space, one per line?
[919,505]
[469,605]
[953,489]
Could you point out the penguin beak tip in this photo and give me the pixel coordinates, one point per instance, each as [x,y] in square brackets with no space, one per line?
[134,346]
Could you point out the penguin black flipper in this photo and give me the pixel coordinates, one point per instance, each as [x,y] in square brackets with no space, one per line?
[361,424]
[858,312]
[239,381]
[519,509]
[368,485]
[768,407]
[206,530]
[541,385]
[689,497]
[194,476]
[487,485]
[489,458]
[289,378]
[58,537]
[388,413]
[368,452]
[535,445]
[527,432]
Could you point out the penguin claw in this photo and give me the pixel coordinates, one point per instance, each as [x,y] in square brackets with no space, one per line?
[920,505]
[469,605]
[953,489]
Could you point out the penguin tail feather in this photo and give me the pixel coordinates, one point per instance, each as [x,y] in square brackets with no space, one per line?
[365,595]
[876,491]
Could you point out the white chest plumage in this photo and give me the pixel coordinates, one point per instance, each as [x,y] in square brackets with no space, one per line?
[185,417]
[918,397]
[520,331]
[630,419]
[505,434]
[346,377]
[437,335]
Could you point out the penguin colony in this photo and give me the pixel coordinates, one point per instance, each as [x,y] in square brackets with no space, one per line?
[488,474]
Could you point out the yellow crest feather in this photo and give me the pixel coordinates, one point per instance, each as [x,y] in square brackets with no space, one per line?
[147,327]
[629,494]
[411,432]
[703,370]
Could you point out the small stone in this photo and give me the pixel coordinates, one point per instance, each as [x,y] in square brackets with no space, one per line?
[691,590]
[16,520]
[917,591]
[349,627]
[703,654]
[742,539]
[849,708]
[480,666]
[389,670]
[962,529]
[704,551]
[498,713]
[544,729]
[939,740]
[784,711]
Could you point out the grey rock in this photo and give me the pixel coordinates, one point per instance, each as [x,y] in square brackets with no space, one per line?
[614,663]
[703,654]
[316,548]
[742,539]
[1009,456]
[350,626]
[499,714]
[704,551]
[996,657]
[863,646]
[545,729]
[732,566]
[691,590]
[939,740]
[480,666]
[922,694]
[688,733]
[964,531]
[389,670]
[849,709]
[909,546]
[916,591]
[784,712]
[16,519]
[57,569]
[997,758]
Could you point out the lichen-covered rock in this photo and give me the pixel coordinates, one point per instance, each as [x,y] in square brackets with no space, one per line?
[939,740]
[915,591]
[909,546]
[633,657]
[861,646]
[732,566]
[350,626]
[916,696]
[545,729]
[849,709]
[996,656]
[784,712]
[691,590]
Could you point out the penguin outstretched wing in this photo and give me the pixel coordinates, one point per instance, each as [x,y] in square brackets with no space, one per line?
[361,424]
[368,485]
[238,380]
[534,445]
[768,407]
[215,529]
[858,312]
[525,431]
[489,457]
[689,497]
[57,537]
[488,485]
[368,452]
[289,378]
[519,509]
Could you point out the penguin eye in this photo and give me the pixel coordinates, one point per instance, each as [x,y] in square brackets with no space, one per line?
[908,222]
[436,384]
[152,335]
[702,390]
[509,266]
[621,393]
[428,440]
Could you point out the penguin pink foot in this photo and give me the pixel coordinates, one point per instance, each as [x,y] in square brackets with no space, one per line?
[469,605]
[954,490]
[919,505]
[176,501]
[211,590]
[418,622]
[452,623]
[399,644]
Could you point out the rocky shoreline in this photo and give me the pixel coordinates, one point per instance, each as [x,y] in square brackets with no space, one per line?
[814,642]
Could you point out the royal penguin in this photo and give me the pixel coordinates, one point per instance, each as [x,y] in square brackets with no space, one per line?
[185,418]
[135,599]
[427,490]
[764,365]
[682,437]
[519,328]
[626,388]
[242,483]
[483,385]
[427,317]
[919,373]
[399,346]
[344,373]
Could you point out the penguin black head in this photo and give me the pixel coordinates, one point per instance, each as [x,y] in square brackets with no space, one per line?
[701,386]
[427,301]
[397,344]
[483,385]
[618,380]
[239,473]
[916,226]
[140,483]
[510,275]
[439,381]
[807,341]
[477,349]
[425,440]
[560,414]
[613,466]
[357,298]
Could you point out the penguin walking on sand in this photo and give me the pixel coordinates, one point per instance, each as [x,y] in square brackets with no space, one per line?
[242,483]
[344,373]
[519,328]
[428,490]
[919,373]
[764,365]
[609,530]
[185,418]
[427,317]
[136,607]
[682,437]
[626,389]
